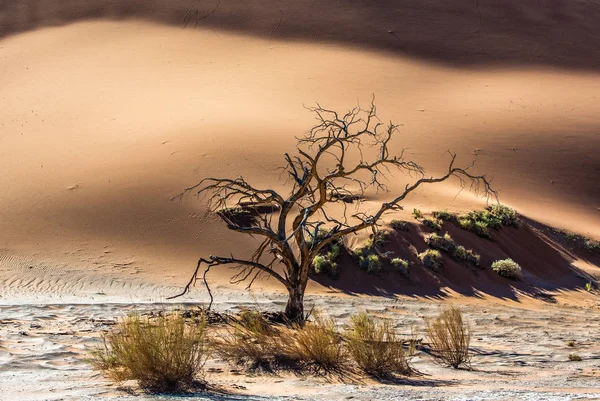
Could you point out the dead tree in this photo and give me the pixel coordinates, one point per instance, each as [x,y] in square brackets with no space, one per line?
[330,166]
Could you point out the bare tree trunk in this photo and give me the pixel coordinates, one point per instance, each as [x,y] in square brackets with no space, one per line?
[294,309]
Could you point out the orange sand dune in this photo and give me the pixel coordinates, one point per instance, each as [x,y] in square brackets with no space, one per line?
[103,122]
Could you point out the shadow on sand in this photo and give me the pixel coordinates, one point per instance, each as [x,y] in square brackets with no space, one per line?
[560,33]
[547,266]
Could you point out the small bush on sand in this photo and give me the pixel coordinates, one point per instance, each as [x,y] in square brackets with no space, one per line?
[380,238]
[574,358]
[318,344]
[253,341]
[326,261]
[401,265]
[461,254]
[591,245]
[449,336]
[375,347]
[494,217]
[417,214]
[507,268]
[445,216]
[432,259]
[506,215]
[571,343]
[433,224]
[368,260]
[399,225]
[373,263]
[163,354]
[441,242]
[480,228]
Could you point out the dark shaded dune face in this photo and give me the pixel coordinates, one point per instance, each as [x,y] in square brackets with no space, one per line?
[546,266]
[559,33]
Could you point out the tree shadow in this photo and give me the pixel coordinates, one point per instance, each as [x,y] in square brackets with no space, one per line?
[559,33]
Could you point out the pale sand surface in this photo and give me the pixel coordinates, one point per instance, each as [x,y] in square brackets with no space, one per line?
[520,350]
[103,121]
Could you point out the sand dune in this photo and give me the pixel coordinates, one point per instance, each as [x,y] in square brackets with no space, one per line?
[466,32]
[103,122]
[108,109]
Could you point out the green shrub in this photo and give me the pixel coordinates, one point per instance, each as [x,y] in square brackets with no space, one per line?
[445,216]
[442,242]
[506,215]
[574,358]
[432,259]
[401,265]
[461,254]
[449,336]
[494,217]
[326,261]
[399,225]
[374,264]
[163,354]
[319,344]
[375,347]
[480,228]
[380,238]
[591,246]
[433,224]
[507,268]
[417,214]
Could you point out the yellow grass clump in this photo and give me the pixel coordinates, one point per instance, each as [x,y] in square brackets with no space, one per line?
[375,347]
[449,336]
[164,354]
[254,341]
[319,344]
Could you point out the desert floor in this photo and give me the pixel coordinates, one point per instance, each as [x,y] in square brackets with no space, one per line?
[520,352]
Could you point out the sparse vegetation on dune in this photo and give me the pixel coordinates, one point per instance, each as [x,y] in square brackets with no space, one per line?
[399,225]
[457,252]
[450,337]
[507,268]
[164,353]
[480,222]
[433,224]
[579,240]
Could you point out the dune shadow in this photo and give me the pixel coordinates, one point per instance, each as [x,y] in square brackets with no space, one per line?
[547,267]
[558,33]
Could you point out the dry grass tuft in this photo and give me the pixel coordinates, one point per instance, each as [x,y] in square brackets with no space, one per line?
[376,348]
[319,344]
[449,336]
[164,354]
[255,342]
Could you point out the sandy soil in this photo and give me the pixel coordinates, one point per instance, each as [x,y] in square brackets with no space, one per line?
[520,348]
